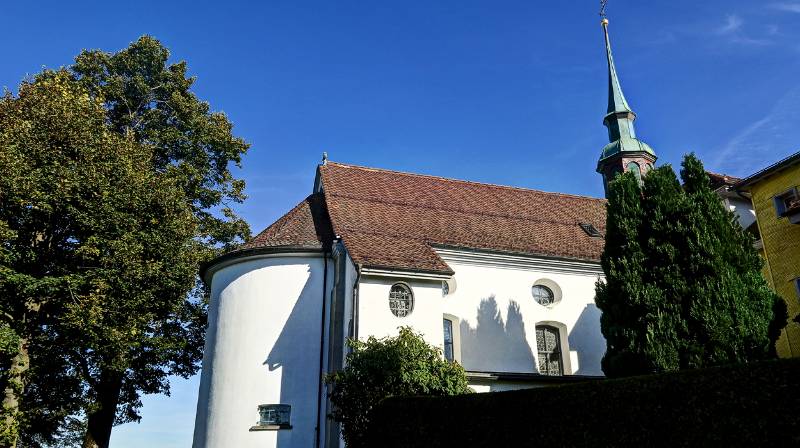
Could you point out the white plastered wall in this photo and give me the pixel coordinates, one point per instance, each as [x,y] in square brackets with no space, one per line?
[496,312]
[375,318]
[262,347]
[499,317]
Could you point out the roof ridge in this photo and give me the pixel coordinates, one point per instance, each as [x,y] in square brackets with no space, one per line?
[469,182]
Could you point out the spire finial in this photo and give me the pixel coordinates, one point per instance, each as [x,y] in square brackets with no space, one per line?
[603,4]
[325,158]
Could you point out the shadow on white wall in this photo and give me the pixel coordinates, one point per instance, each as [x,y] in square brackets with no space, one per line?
[298,342]
[494,345]
[587,340]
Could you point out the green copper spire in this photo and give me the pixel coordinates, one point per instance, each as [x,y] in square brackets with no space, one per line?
[620,117]
[616,99]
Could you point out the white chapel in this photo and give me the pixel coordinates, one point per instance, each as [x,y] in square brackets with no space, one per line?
[502,279]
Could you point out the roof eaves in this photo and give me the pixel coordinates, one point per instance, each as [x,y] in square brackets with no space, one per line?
[258,251]
[768,171]
[435,272]
[514,252]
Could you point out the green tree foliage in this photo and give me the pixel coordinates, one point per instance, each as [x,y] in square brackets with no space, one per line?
[94,265]
[683,285]
[377,369]
[150,101]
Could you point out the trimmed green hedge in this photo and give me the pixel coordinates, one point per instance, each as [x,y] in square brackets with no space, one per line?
[748,405]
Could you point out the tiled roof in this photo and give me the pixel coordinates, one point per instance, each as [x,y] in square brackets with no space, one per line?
[393,220]
[306,225]
[721,180]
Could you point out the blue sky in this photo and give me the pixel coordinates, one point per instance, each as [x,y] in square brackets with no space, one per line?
[508,92]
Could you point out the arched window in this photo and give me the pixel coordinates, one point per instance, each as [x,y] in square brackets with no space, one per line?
[548,344]
[401,300]
[634,168]
[543,295]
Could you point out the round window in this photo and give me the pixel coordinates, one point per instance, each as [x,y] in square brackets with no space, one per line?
[543,295]
[401,300]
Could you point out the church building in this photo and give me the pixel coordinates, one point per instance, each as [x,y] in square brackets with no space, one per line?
[502,279]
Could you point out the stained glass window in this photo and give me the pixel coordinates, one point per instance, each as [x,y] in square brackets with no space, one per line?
[543,295]
[401,300]
[548,344]
[448,340]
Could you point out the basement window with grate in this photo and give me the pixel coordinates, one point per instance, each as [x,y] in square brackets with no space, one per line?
[273,417]
[590,230]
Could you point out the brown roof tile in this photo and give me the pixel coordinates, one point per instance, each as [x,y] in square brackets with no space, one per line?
[306,225]
[721,180]
[392,220]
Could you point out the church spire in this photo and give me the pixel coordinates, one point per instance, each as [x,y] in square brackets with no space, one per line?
[625,152]
[616,99]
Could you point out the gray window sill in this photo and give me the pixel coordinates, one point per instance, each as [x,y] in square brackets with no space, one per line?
[270,427]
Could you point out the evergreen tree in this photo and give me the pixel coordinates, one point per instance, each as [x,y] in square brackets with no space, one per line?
[623,261]
[683,285]
[731,312]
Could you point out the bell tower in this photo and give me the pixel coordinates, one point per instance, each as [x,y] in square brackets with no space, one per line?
[625,152]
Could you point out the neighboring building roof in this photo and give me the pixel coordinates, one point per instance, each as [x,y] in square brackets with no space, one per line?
[768,171]
[722,180]
[305,226]
[393,220]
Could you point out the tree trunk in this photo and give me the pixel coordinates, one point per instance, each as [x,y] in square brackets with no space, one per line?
[101,421]
[15,386]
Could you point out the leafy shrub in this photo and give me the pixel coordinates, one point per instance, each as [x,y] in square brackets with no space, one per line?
[377,369]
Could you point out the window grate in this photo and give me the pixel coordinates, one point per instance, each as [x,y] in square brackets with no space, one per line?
[401,300]
[548,345]
[543,295]
[274,415]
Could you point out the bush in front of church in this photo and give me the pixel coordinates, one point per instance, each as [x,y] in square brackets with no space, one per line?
[683,287]
[376,369]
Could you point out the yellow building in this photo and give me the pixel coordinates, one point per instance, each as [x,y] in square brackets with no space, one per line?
[775,192]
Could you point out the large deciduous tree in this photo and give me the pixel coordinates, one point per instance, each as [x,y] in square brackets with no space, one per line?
[92,238]
[100,288]
[150,100]
[683,285]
